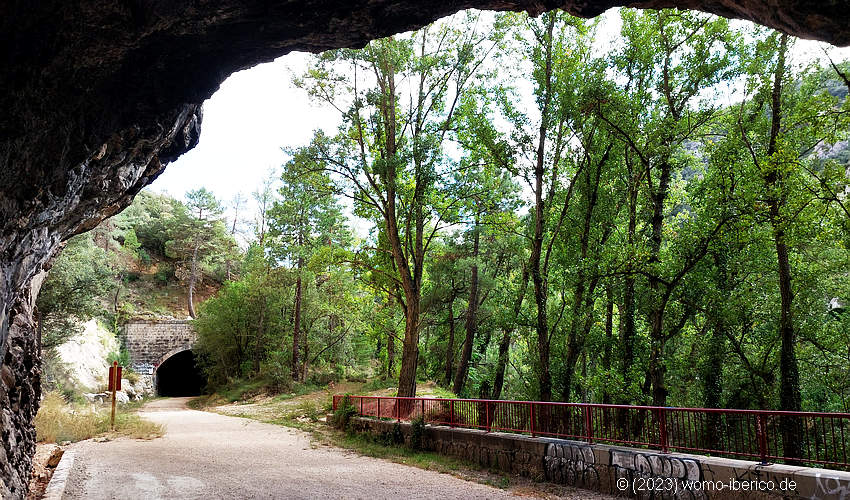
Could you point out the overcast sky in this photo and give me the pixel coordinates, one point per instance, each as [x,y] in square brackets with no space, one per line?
[257,111]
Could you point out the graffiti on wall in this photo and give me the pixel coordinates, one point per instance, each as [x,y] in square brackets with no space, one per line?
[827,487]
[573,464]
[635,466]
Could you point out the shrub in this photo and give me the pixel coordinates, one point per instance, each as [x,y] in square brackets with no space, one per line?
[323,378]
[417,433]
[309,409]
[122,357]
[277,369]
[163,273]
[144,257]
[396,435]
[344,412]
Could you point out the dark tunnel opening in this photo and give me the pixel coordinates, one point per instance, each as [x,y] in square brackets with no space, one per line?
[180,375]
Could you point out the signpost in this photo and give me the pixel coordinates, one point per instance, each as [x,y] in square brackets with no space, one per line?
[114,386]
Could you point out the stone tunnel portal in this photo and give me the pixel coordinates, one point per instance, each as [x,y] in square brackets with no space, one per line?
[180,375]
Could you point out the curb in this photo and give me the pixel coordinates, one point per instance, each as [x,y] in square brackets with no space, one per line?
[56,486]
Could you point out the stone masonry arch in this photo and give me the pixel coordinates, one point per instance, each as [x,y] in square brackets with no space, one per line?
[150,342]
[176,350]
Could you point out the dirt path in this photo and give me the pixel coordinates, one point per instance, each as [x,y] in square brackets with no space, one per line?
[206,455]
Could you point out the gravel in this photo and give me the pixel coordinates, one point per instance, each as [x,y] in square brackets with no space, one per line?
[207,455]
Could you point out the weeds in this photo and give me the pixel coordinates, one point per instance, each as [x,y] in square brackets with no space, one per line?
[58,421]
[342,415]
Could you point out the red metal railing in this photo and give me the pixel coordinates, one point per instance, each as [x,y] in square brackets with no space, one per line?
[804,438]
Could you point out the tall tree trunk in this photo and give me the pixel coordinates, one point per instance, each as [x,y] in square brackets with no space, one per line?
[261,330]
[627,325]
[306,362]
[193,273]
[471,325]
[712,375]
[450,349]
[789,391]
[537,278]
[582,306]
[505,343]
[296,328]
[609,340]
[410,348]
[390,355]
[658,297]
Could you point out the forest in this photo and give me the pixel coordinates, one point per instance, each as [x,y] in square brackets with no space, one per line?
[553,211]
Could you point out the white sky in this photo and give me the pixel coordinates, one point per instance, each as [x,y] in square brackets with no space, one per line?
[257,111]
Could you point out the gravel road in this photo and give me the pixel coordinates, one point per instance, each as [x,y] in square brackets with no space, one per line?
[206,455]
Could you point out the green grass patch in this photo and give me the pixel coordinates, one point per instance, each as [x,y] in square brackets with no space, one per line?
[299,389]
[240,390]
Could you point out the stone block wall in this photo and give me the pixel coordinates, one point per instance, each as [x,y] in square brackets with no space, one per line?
[148,342]
[627,472]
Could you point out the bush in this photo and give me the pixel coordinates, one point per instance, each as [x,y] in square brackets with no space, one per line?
[163,273]
[278,370]
[144,257]
[324,378]
[122,357]
[309,409]
[417,434]
[396,435]
[344,412]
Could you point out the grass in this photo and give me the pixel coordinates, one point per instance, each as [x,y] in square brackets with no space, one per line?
[58,421]
[242,389]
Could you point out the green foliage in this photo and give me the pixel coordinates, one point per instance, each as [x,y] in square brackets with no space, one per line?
[417,434]
[607,217]
[69,295]
[122,357]
[343,414]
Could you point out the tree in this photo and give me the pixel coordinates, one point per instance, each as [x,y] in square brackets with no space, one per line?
[387,157]
[196,234]
[305,218]
[69,296]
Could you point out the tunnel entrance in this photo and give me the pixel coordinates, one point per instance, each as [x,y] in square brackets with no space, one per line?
[179,375]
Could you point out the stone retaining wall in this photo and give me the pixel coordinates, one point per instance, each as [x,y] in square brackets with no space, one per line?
[628,472]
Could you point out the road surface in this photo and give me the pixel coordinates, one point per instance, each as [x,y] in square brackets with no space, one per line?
[207,455]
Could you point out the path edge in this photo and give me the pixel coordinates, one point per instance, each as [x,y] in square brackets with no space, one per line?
[56,486]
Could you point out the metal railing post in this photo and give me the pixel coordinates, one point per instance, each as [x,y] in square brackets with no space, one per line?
[379,408]
[423,410]
[487,415]
[662,430]
[452,413]
[761,435]
[531,407]
[588,425]
[397,409]
[361,405]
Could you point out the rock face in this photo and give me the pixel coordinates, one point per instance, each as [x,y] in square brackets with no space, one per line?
[97,96]
[85,356]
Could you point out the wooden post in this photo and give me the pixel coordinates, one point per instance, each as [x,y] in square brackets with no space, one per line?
[113,374]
